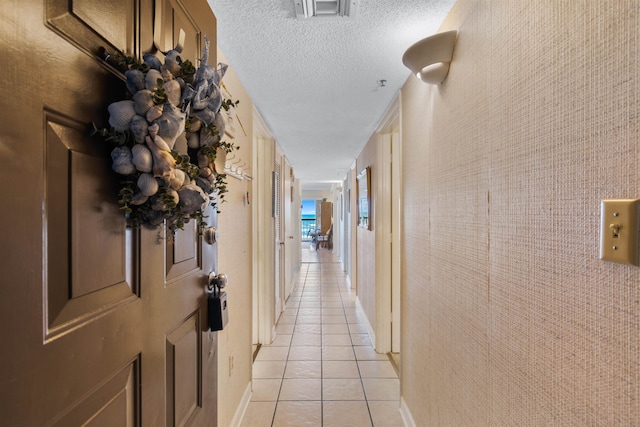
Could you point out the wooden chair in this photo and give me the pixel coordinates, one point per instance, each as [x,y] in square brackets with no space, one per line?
[325,240]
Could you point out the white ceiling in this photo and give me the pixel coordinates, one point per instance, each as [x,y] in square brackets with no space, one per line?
[316,83]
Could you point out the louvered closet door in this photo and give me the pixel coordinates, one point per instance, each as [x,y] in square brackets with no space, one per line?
[101,325]
[279,241]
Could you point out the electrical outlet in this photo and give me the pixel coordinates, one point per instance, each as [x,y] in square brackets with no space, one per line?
[619,231]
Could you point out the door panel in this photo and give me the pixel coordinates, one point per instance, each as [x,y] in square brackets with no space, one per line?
[113,403]
[95,25]
[183,256]
[192,46]
[84,278]
[171,16]
[184,370]
[102,325]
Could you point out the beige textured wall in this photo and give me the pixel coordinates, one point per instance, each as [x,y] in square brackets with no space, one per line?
[234,259]
[509,317]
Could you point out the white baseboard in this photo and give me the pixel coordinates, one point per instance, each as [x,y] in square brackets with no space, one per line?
[242,407]
[363,315]
[405,413]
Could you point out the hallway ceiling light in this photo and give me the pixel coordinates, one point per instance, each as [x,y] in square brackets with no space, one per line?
[324,9]
[429,59]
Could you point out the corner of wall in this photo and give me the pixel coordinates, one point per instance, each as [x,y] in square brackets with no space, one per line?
[235,355]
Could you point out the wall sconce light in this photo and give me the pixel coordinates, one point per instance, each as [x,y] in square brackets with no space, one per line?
[429,58]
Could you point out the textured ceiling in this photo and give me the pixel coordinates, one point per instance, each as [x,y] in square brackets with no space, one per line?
[316,83]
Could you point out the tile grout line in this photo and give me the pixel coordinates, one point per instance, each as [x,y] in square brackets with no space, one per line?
[286,362]
[321,364]
[321,281]
[364,393]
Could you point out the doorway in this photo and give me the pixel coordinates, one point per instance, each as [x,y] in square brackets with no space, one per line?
[389,220]
[308,219]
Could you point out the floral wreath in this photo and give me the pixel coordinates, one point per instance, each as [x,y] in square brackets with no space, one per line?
[166,137]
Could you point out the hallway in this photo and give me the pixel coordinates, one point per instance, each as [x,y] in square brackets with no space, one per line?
[321,370]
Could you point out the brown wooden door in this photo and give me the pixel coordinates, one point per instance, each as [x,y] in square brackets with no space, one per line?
[102,325]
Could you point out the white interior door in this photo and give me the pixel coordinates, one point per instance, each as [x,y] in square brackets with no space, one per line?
[287,227]
[264,250]
[278,241]
[396,207]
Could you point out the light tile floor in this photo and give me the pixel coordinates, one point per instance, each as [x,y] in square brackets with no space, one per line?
[321,370]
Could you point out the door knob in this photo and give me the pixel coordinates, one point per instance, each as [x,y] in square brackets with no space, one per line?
[216,282]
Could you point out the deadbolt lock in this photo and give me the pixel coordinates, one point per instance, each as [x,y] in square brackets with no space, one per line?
[210,235]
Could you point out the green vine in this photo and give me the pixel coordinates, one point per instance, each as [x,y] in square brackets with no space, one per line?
[227,104]
[187,70]
[124,62]
[159,95]
[184,162]
[118,139]
[126,195]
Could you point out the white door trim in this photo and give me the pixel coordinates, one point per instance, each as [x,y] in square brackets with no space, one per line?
[387,229]
[262,250]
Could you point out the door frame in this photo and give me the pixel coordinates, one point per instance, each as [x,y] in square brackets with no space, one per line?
[287,227]
[278,233]
[353,226]
[388,232]
[262,246]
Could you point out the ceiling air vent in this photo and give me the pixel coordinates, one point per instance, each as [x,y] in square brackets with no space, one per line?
[325,9]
